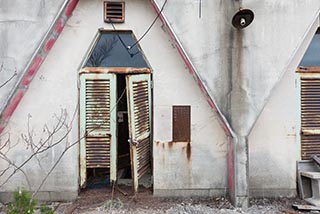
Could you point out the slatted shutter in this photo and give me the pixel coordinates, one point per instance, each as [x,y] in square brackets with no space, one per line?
[113,12]
[139,106]
[310,117]
[97,123]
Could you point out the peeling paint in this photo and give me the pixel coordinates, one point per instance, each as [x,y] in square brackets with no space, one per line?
[49,44]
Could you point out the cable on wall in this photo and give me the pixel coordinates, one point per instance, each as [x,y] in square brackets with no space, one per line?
[128,48]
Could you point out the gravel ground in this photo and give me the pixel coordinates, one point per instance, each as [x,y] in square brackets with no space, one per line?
[98,201]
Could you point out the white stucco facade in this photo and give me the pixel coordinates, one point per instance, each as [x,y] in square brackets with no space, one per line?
[249,73]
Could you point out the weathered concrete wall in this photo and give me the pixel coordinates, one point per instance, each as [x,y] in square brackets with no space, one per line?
[241,68]
[55,87]
[22,27]
[272,144]
[180,170]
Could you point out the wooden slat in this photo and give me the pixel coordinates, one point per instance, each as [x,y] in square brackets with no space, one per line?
[97,108]
[310,117]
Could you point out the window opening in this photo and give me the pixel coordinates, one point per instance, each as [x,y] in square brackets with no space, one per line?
[311,57]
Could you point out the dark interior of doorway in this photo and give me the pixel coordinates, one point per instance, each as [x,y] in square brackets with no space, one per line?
[123,153]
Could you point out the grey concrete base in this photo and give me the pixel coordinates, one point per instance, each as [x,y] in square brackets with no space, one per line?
[190,192]
[6,197]
[273,193]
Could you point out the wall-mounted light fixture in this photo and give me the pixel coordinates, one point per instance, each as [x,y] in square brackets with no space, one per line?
[242,18]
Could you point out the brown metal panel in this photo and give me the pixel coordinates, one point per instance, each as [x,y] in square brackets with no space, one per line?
[310,117]
[181,131]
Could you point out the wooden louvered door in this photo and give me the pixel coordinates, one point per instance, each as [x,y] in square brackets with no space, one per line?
[139,111]
[310,116]
[97,124]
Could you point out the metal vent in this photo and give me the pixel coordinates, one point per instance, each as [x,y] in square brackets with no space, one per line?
[97,123]
[113,12]
[310,117]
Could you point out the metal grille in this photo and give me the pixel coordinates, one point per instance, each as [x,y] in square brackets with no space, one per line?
[98,123]
[310,117]
[113,12]
[142,124]
[181,131]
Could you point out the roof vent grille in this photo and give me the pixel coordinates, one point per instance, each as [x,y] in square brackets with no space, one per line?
[113,12]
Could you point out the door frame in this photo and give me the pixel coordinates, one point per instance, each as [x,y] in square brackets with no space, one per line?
[102,70]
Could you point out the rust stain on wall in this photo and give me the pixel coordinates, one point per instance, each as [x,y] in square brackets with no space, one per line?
[170,144]
[188,151]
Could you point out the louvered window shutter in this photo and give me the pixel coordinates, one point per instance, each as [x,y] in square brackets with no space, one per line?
[139,106]
[98,123]
[310,117]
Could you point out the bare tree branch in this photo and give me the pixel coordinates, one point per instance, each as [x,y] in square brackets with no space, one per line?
[10,78]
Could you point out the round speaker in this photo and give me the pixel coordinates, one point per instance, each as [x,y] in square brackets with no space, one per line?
[242,18]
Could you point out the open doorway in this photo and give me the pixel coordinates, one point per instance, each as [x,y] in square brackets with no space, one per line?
[124,166]
[115,120]
[115,111]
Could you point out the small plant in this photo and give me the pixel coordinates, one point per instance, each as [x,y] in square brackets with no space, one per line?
[22,203]
[46,210]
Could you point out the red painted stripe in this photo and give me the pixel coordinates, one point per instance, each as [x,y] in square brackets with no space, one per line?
[70,7]
[34,66]
[230,167]
[59,26]
[48,45]
[27,78]
[13,105]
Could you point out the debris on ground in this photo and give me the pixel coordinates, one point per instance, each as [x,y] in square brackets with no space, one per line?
[98,201]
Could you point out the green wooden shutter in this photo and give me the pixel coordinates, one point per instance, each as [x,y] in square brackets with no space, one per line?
[139,107]
[97,123]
